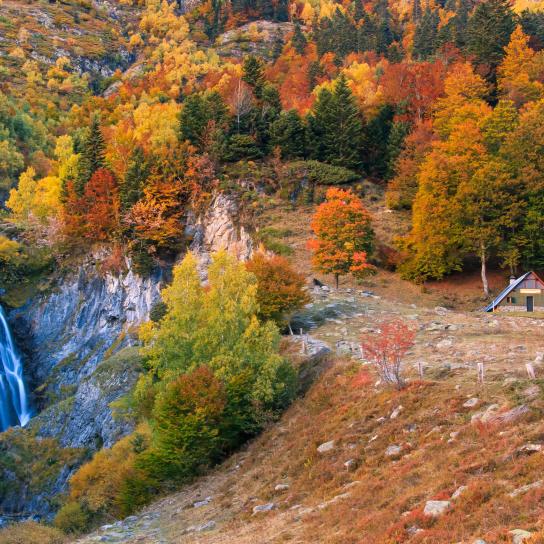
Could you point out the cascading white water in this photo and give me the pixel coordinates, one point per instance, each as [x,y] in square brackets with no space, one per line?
[14,404]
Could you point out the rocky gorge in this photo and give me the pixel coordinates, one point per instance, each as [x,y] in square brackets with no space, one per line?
[79,341]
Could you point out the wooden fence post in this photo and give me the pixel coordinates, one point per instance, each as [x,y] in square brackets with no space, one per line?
[420,369]
[481,373]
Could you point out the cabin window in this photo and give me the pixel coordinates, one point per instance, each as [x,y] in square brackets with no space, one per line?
[511,300]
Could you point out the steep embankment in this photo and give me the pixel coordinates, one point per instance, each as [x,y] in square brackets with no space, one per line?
[357,462]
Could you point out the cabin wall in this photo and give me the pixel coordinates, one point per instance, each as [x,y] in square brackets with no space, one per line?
[517,302]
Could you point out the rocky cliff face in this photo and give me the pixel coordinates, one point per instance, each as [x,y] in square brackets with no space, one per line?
[219,228]
[66,334]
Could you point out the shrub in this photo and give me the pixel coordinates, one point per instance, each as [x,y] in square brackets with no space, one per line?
[186,419]
[72,518]
[31,532]
[387,349]
[98,486]
[320,173]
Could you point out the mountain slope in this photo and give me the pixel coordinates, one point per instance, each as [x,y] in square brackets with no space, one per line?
[391,451]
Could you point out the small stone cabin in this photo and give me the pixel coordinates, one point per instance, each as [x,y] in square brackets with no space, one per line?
[524,294]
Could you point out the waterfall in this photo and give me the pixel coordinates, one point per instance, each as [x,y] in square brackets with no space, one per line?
[14,405]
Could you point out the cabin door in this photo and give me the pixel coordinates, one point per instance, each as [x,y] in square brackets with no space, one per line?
[530,304]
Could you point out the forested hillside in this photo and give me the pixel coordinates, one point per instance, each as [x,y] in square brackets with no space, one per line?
[439,104]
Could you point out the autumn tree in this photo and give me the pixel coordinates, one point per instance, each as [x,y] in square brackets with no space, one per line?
[386,350]
[519,71]
[344,236]
[101,201]
[211,337]
[280,288]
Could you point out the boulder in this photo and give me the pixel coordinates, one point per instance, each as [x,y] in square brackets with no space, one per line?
[264,507]
[326,447]
[519,536]
[281,487]
[526,488]
[471,403]
[458,492]
[393,450]
[529,449]
[436,508]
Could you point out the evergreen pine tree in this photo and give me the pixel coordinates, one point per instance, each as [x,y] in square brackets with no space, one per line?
[131,189]
[253,74]
[335,128]
[315,71]
[281,11]
[92,155]
[289,134]
[277,47]
[358,10]
[299,40]
[376,138]
[367,34]
[197,113]
[488,32]
[416,11]
[425,37]
[532,23]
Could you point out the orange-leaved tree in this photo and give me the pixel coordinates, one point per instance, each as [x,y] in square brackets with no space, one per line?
[344,235]
[101,198]
[280,288]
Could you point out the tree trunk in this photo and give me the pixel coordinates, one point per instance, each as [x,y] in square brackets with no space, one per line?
[484,271]
[337,277]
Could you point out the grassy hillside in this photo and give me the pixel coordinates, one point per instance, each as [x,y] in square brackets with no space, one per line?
[392,452]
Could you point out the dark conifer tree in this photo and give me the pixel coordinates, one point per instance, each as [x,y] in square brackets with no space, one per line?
[335,127]
[92,155]
[131,190]
[299,40]
[416,11]
[315,70]
[277,48]
[197,112]
[532,23]
[425,37]
[358,10]
[289,134]
[376,139]
[488,33]
[367,34]
[253,74]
